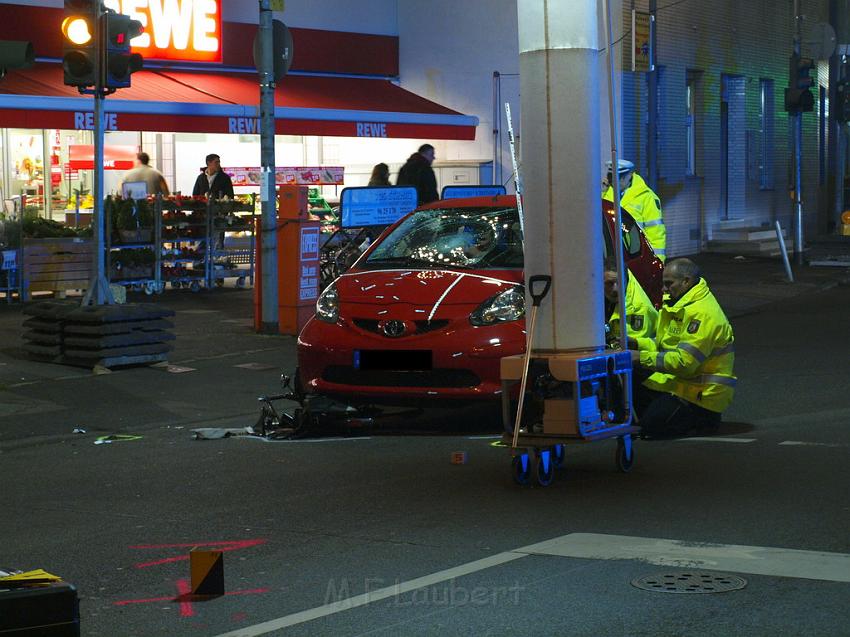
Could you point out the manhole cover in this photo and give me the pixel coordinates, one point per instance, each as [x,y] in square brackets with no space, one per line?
[690,582]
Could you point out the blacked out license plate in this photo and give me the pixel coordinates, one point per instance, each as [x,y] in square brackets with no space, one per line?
[397,360]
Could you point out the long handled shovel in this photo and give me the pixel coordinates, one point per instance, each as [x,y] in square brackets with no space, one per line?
[536,299]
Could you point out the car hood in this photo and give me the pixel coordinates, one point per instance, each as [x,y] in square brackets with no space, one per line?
[414,293]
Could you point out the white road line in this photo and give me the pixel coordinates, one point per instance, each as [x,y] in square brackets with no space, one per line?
[483,437]
[306,441]
[801,443]
[374,596]
[715,439]
[755,560]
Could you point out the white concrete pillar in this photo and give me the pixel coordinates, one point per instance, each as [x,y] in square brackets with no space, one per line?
[561,168]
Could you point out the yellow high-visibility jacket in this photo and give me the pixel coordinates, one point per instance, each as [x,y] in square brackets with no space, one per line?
[642,315]
[693,351]
[645,206]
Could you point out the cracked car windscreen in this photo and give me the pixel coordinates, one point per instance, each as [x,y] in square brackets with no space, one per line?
[478,238]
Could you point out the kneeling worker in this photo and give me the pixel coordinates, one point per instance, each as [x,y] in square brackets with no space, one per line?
[691,358]
[641,314]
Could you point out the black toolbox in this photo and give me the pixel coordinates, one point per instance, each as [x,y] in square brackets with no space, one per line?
[50,610]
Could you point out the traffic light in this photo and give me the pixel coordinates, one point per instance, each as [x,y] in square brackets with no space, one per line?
[798,97]
[120,63]
[842,101]
[79,42]
[15,54]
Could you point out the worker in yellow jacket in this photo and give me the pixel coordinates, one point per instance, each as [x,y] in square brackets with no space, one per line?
[640,202]
[691,358]
[641,314]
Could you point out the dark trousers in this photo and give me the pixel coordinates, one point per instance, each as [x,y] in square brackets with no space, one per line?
[663,414]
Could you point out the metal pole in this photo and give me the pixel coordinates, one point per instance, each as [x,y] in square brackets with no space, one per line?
[798,155]
[652,103]
[787,263]
[615,179]
[839,17]
[98,292]
[497,114]
[268,282]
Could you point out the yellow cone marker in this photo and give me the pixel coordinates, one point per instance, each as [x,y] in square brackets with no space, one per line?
[207,570]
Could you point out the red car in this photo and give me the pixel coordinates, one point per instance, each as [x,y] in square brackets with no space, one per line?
[428,311]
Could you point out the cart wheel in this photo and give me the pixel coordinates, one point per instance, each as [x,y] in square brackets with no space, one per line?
[625,456]
[558,455]
[219,283]
[240,282]
[521,469]
[195,286]
[544,468]
[149,288]
[160,288]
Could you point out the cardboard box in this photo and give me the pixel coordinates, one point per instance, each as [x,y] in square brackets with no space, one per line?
[559,417]
[511,367]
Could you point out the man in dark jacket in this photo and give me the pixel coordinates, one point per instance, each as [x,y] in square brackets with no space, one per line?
[213,182]
[417,172]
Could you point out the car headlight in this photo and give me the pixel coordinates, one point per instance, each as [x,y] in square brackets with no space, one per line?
[327,305]
[505,306]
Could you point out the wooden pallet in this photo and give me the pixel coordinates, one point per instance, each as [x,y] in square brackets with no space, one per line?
[56,265]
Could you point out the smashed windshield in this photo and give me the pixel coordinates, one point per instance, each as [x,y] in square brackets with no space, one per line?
[479,238]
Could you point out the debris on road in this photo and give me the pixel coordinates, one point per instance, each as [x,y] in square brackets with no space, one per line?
[105,440]
[459,457]
[216,433]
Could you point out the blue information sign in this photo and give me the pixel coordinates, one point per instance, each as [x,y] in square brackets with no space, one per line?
[376,206]
[458,192]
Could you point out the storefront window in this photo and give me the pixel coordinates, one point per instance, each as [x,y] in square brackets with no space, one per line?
[71,183]
[26,165]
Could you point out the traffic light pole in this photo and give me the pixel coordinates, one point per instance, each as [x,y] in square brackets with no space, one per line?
[798,154]
[268,279]
[98,292]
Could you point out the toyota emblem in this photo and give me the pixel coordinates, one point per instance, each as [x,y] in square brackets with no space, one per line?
[394,329]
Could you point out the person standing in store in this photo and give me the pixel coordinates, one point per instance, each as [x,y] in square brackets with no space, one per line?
[380,175]
[417,172]
[640,202]
[142,171]
[213,181]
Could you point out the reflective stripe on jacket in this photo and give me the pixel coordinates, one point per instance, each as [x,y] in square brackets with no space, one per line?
[642,315]
[693,352]
[645,206]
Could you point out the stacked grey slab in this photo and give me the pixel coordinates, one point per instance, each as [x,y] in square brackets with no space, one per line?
[106,335]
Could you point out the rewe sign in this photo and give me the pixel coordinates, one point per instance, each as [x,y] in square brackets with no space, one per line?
[186,30]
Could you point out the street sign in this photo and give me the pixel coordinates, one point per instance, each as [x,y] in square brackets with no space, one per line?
[282,49]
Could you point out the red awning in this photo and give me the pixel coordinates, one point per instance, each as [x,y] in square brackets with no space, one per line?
[179,101]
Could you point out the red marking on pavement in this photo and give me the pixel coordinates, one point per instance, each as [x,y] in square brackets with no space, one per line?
[151,600]
[239,617]
[184,588]
[227,545]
